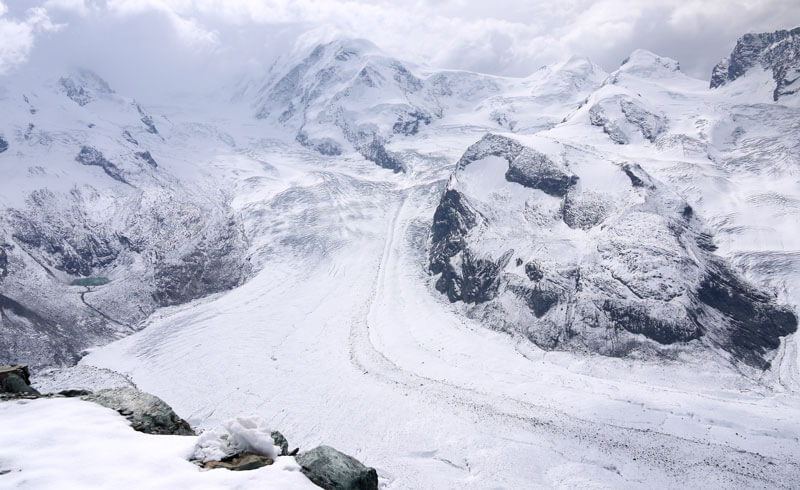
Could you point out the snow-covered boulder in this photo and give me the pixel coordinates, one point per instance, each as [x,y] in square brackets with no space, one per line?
[234,437]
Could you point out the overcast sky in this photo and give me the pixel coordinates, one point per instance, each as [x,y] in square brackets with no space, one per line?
[136,42]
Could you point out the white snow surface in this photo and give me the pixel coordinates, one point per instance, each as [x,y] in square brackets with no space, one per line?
[341,339]
[73,444]
[235,436]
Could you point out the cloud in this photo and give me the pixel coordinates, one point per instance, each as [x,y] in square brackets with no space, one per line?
[188,42]
[18,35]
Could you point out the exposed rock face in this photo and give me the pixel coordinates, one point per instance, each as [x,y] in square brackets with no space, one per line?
[83,86]
[91,156]
[146,413]
[333,470]
[3,145]
[147,158]
[408,124]
[375,152]
[535,170]
[639,277]
[621,117]
[147,120]
[452,221]
[777,51]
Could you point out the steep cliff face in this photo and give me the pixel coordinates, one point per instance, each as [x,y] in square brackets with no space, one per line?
[778,52]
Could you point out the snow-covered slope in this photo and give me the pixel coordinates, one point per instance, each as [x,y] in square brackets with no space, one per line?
[347,93]
[97,189]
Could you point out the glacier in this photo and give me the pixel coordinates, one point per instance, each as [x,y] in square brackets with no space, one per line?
[463,280]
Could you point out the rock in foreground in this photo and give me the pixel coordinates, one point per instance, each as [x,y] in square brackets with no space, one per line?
[15,380]
[333,470]
[147,413]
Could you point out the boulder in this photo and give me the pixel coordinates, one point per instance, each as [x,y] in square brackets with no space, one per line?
[15,379]
[332,470]
[240,462]
[146,413]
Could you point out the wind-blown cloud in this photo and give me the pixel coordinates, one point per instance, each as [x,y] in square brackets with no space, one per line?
[17,35]
[196,39]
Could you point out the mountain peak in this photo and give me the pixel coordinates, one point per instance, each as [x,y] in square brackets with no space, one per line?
[778,51]
[646,63]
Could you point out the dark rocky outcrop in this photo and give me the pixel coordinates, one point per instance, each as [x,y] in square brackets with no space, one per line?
[91,156]
[452,220]
[146,413]
[333,470]
[636,175]
[777,51]
[78,94]
[16,380]
[129,137]
[475,280]
[212,266]
[375,152]
[3,263]
[147,158]
[3,145]
[534,271]
[324,146]
[598,117]
[491,145]
[537,171]
[538,300]
[147,120]
[756,323]
[634,318]
[82,86]
[408,124]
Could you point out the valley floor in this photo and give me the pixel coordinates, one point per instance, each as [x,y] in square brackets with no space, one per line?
[341,339]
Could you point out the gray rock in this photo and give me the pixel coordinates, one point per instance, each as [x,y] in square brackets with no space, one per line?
[240,462]
[332,470]
[3,145]
[91,156]
[15,379]
[597,117]
[147,158]
[537,171]
[375,152]
[147,413]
